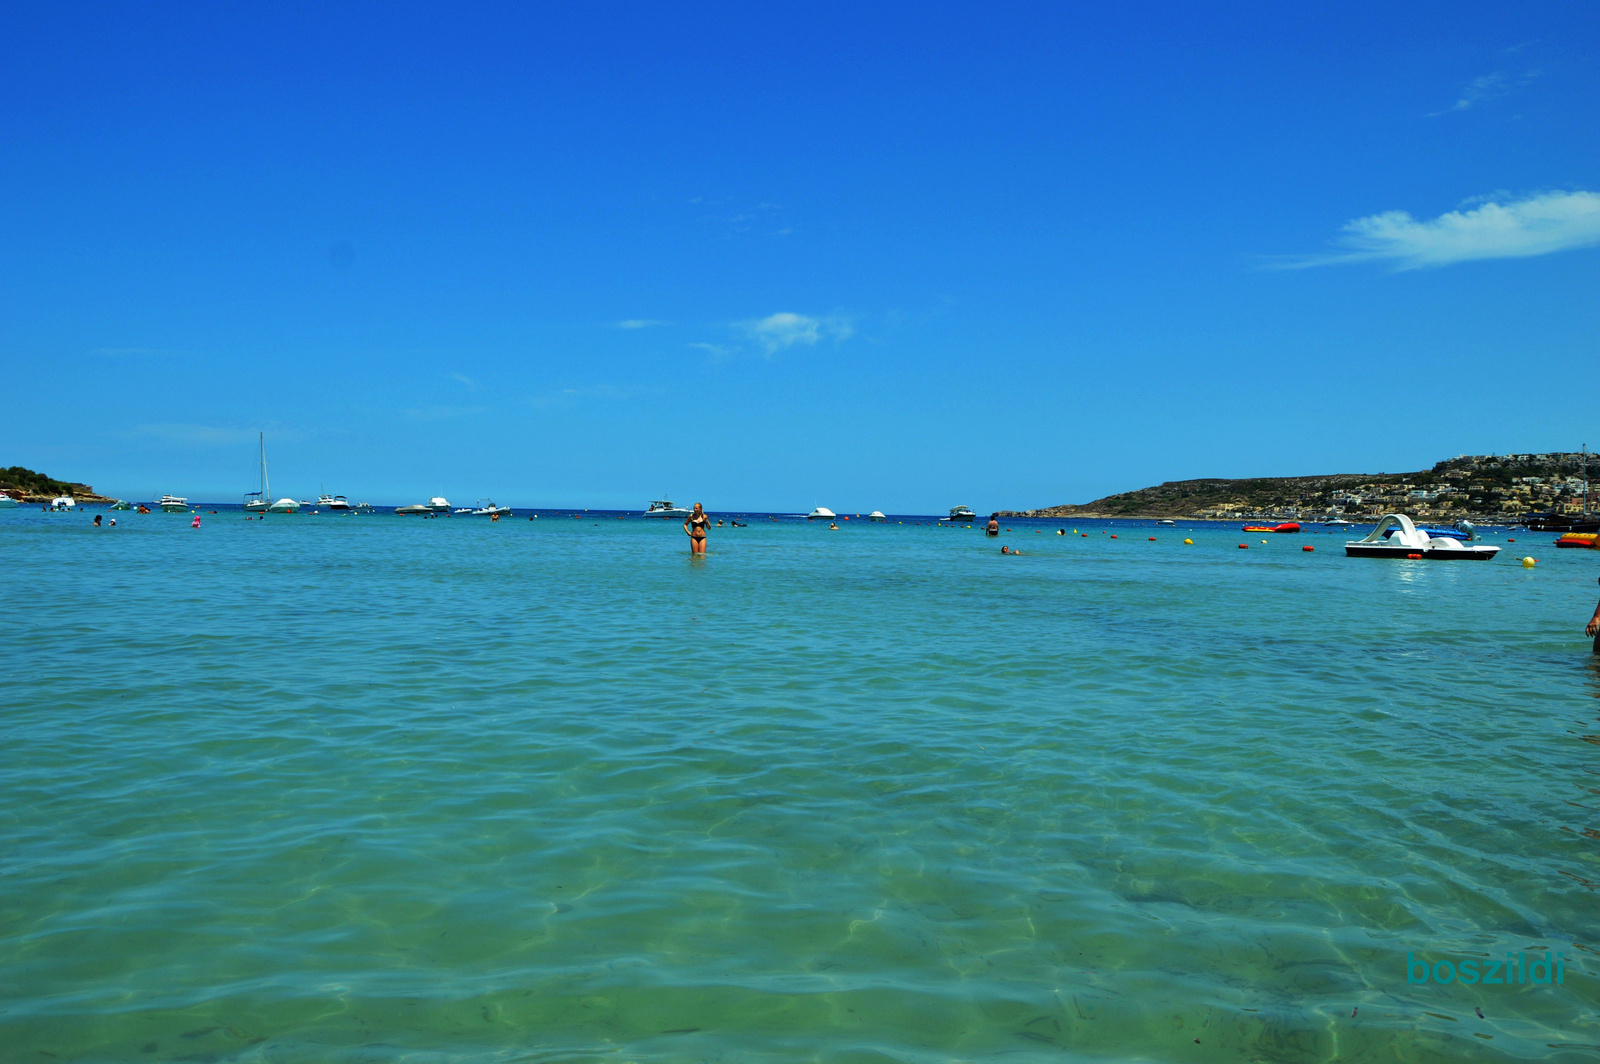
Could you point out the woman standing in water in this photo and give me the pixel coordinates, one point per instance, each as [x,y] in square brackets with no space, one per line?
[695,525]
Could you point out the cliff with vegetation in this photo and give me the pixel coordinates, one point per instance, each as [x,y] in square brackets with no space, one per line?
[1477,487]
[25,485]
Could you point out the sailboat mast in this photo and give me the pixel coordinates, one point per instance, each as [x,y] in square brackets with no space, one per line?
[266,488]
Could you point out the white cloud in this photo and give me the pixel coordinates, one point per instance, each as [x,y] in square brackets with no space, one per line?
[1515,229]
[1488,87]
[783,330]
[639,323]
[466,380]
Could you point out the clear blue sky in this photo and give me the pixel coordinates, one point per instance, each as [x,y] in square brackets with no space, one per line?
[763,256]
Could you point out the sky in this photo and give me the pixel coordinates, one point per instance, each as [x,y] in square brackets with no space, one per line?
[768,256]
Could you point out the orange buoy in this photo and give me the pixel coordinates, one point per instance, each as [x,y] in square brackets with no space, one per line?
[1308,547]
[1113,537]
[1413,557]
[1152,539]
[1244,546]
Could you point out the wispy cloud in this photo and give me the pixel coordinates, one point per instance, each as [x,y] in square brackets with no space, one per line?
[1487,87]
[569,396]
[777,332]
[196,435]
[466,381]
[441,413]
[639,323]
[1535,225]
[129,352]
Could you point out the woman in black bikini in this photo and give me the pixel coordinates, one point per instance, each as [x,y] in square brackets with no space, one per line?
[695,525]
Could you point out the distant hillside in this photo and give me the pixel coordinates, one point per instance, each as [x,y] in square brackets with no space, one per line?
[1489,487]
[27,486]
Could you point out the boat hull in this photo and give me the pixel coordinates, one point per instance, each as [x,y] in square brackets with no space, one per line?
[1381,550]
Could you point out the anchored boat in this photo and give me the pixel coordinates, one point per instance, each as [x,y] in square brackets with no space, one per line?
[1397,537]
[664,508]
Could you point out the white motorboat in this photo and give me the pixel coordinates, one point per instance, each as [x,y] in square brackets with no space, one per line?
[876,515]
[438,505]
[1397,537]
[361,508]
[961,513]
[664,508]
[170,504]
[414,510]
[336,503]
[821,513]
[7,502]
[66,502]
[284,506]
[487,508]
[462,510]
[1166,521]
[1337,522]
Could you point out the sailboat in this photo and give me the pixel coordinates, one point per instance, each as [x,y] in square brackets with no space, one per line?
[256,502]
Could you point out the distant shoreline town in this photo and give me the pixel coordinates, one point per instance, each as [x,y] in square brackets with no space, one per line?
[1489,489]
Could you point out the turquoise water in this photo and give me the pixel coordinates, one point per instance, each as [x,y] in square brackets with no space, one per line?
[367,789]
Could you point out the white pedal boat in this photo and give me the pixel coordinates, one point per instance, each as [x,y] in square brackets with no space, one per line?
[1397,537]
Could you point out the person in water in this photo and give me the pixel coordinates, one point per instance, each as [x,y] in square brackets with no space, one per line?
[695,526]
[993,528]
[1594,628]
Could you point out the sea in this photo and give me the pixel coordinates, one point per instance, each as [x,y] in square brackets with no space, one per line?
[367,788]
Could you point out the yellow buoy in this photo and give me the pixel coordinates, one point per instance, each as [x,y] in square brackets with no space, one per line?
[1527,563]
[1190,542]
[1263,541]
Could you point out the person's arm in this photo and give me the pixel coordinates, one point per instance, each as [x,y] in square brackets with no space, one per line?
[1594,622]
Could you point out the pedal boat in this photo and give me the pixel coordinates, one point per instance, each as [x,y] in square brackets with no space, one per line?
[1397,537]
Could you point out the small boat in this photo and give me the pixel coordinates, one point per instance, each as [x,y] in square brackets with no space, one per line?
[462,510]
[876,515]
[1166,521]
[1397,537]
[333,502]
[489,509]
[1336,522]
[664,508]
[362,508]
[414,510]
[7,502]
[171,504]
[1287,526]
[961,513]
[65,502]
[255,502]
[821,513]
[284,506]
[120,505]
[438,505]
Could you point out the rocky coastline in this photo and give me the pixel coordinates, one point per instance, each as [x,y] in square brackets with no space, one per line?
[1485,489]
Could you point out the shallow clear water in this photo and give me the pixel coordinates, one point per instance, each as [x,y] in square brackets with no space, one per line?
[374,789]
